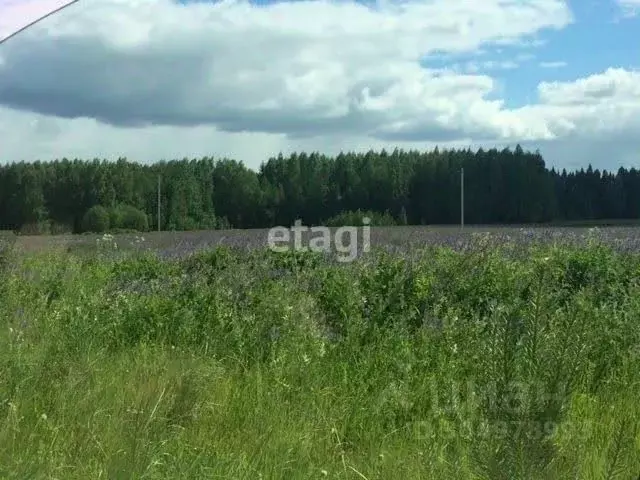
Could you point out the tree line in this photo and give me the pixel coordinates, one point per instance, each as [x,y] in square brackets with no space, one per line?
[501,186]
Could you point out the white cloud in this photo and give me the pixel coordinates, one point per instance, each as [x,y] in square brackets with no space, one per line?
[557,64]
[474,67]
[589,109]
[616,84]
[630,7]
[152,79]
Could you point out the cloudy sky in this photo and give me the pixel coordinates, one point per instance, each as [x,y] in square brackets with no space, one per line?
[160,79]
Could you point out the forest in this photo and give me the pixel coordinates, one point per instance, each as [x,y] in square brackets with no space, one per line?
[507,186]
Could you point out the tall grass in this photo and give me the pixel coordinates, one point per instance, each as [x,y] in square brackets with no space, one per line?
[235,364]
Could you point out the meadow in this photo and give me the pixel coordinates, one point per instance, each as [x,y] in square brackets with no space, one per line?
[488,354]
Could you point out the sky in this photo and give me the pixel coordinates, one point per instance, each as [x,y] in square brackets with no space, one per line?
[161,79]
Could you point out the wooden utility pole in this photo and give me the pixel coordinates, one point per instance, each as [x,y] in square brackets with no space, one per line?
[462,199]
[159,202]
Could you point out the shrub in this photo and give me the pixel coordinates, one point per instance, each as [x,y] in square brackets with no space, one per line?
[354,218]
[96,220]
[126,217]
[222,223]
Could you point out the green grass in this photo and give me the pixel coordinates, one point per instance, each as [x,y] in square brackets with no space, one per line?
[487,365]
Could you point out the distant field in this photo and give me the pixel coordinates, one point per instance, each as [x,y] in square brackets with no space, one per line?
[394,238]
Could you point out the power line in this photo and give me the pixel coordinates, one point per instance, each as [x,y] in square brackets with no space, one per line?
[29,25]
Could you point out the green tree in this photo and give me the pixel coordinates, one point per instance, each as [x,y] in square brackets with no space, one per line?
[126,217]
[96,220]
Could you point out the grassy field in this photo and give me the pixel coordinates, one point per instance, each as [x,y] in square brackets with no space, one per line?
[505,359]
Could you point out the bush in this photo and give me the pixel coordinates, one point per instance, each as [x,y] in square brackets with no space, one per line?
[354,218]
[126,217]
[35,228]
[96,220]
[222,223]
[60,228]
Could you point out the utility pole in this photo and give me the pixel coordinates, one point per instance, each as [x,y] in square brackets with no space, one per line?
[158,202]
[462,199]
